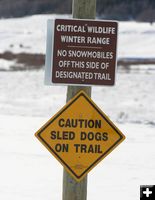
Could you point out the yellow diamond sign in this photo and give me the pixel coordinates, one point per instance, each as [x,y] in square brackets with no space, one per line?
[80,135]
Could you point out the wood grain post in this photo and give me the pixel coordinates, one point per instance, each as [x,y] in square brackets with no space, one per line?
[73,190]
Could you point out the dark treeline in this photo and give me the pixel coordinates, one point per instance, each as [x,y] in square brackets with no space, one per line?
[19,8]
[141,10]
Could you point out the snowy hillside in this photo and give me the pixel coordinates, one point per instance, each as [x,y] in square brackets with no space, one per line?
[27,170]
[29,35]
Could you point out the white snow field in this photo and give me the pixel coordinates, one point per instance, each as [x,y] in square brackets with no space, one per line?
[28,34]
[27,170]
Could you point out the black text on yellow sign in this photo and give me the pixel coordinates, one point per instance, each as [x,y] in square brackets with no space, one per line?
[80,135]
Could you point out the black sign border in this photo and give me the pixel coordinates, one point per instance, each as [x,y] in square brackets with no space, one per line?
[96,161]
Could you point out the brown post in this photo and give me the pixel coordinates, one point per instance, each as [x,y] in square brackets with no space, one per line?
[73,190]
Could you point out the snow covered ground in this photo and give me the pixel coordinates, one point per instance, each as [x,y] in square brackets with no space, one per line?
[29,172]
[27,169]
[28,34]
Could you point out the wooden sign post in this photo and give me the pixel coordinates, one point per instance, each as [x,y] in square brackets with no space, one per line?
[73,190]
[80,135]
